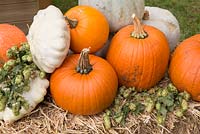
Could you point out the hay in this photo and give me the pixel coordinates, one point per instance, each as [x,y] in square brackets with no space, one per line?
[47,118]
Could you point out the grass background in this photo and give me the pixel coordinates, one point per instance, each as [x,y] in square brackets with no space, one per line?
[187,12]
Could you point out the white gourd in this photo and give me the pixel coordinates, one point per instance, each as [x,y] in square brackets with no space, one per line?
[117,12]
[49,39]
[166,22]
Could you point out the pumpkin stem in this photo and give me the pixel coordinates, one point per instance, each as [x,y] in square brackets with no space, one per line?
[72,22]
[84,66]
[138,32]
[146,15]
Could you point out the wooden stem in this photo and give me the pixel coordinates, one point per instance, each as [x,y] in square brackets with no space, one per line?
[138,32]
[84,66]
[72,22]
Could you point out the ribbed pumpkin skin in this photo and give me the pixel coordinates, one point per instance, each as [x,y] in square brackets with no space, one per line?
[184,68]
[139,63]
[92,29]
[84,94]
[9,35]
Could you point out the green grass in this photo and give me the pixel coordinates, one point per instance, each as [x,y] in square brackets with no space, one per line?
[64,5]
[187,12]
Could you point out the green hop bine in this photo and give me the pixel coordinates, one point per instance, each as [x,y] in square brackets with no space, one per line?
[15,77]
[158,100]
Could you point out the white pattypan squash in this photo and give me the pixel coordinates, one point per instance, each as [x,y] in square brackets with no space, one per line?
[165,21]
[49,39]
[34,96]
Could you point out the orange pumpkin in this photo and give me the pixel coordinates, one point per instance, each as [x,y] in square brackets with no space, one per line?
[184,68]
[139,55]
[89,28]
[9,35]
[87,88]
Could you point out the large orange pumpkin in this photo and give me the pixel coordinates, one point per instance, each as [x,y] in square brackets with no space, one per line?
[9,35]
[139,54]
[89,28]
[184,68]
[87,88]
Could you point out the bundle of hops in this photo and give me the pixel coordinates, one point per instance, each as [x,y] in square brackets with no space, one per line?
[159,101]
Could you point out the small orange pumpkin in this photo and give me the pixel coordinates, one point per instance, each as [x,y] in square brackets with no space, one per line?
[184,68]
[87,88]
[9,36]
[139,55]
[89,28]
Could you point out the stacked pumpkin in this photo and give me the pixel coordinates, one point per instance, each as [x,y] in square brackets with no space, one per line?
[85,84]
